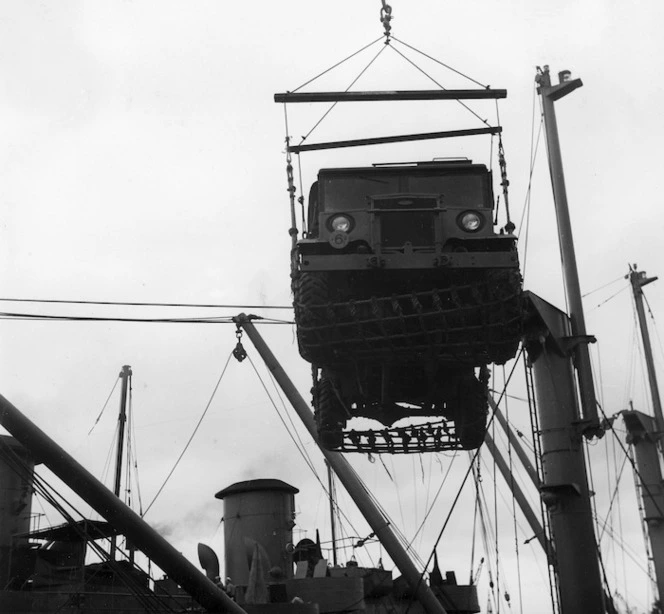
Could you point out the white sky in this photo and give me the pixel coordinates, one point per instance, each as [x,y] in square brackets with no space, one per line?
[141,159]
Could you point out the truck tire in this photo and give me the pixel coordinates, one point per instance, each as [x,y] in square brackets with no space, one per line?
[310,295]
[470,410]
[329,414]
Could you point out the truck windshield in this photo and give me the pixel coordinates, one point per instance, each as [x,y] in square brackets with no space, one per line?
[347,192]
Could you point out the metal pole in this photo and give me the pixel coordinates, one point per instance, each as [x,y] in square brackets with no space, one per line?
[549,94]
[638,279]
[347,475]
[564,487]
[643,435]
[125,375]
[93,492]
[520,497]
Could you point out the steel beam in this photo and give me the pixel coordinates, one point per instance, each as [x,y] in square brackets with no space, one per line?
[382,140]
[376,96]
[124,519]
[346,474]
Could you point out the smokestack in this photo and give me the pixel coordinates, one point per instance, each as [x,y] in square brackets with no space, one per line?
[258,512]
[16,470]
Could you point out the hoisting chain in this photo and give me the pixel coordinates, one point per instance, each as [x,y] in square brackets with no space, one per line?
[504,182]
[385,18]
[292,231]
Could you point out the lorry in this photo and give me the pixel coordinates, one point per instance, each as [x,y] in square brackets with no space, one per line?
[404,292]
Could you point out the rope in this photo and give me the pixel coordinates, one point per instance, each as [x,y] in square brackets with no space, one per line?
[186,447]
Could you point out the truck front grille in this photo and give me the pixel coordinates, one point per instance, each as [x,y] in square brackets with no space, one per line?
[406,219]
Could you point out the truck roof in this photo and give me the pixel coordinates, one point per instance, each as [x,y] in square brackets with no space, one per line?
[408,167]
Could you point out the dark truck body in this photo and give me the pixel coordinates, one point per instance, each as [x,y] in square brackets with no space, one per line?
[402,289]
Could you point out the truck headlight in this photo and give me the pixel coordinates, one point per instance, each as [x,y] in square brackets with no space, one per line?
[341,223]
[470,221]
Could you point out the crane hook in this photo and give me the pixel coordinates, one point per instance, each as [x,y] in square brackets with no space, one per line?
[385,18]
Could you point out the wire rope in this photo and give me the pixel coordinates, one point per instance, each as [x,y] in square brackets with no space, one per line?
[534,148]
[334,104]
[110,394]
[428,76]
[142,304]
[454,70]
[327,70]
[54,318]
[191,437]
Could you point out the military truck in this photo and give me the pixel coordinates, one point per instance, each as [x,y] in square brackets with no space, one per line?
[403,293]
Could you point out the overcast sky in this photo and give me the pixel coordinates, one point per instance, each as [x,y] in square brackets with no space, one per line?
[141,159]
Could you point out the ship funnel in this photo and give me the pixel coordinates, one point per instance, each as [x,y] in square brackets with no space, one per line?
[259,516]
[16,468]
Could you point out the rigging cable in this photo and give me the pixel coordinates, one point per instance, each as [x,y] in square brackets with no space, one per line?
[534,148]
[142,304]
[465,478]
[54,318]
[334,104]
[516,537]
[454,70]
[301,449]
[463,104]
[105,404]
[198,424]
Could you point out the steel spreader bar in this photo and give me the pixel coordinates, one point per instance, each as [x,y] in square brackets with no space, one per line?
[381,140]
[376,96]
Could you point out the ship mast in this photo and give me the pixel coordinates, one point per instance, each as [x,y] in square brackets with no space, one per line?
[125,376]
[644,434]
[638,279]
[556,343]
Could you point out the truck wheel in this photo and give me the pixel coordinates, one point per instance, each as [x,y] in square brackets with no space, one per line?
[329,414]
[310,295]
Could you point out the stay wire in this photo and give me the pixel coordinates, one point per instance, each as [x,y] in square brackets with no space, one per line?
[605,301]
[105,404]
[301,449]
[606,285]
[534,149]
[299,444]
[186,447]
